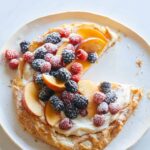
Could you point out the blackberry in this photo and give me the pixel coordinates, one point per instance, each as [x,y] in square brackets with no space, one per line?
[40,53]
[71,86]
[105,87]
[37,63]
[68,56]
[53,38]
[24,45]
[111,97]
[92,57]
[45,93]
[54,73]
[56,103]
[38,79]
[80,101]
[71,111]
[63,74]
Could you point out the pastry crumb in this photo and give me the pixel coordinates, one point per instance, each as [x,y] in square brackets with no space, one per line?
[139,63]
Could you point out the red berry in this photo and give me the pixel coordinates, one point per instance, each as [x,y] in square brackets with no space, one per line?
[81,54]
[76,68]
[83,112]
[67,96]
[28,56]
[48,57]
[65,124]
[51,48]
[75,77]
[64,32]
[99,97]
[114,108]
[102,108]
[11,54]
[75,39]
[98,120]
[70,46]
[13,64]
[56,62]
[45,67]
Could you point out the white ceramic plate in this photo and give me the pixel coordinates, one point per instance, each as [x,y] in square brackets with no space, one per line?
[117,64]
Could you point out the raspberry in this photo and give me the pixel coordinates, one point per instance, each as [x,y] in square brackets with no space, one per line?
[40,53]
[68,56]
[105,87]
[28,57]
[56,103]
[81,54]
[102,108]
[37,63]
[63,74]
[64,32]
[70,46]
[92,57]
[51,48]
[75,38]
[67,96]
[76,68]
[114,108]
[48,57]
[38,79]
[11,54]
[80,101]
[13,64]
[110,97]
[46,67]
[24,46]
[53,37]
[98,120]
[65,124]
[75,77]
[71,86]
[99,97]
[83,112]
[71,111]
[45,94]
[56,62]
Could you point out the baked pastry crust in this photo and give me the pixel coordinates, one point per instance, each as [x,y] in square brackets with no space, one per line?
[38,127]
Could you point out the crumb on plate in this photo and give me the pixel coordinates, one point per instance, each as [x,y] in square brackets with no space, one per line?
[139,63]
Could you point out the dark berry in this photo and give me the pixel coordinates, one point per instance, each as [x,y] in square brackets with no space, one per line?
[102,108]
[13,64]
[67,96]
[83,112]
[75,77]
[53,38]
[110,97]
[99,97]
[54,73]
[28,56]
[65,124]
[24,45]
[92,57]
[75,38]
[38,79]
[46,67]
[71,86]
[63,74]
[45,93]
[76,68]
[68,56]
[56,103]
[71,111]
[98,120]
[81,54]
[11,54]
[37,63]
[51,48]
[80,101]
[40,53]
[114,108]
[105,87]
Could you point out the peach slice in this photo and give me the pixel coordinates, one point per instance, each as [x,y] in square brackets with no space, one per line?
[88,31]
[88,88]
[52,116]
[30,99]
[34,45]
[93,45]
[53,83]
[61,48]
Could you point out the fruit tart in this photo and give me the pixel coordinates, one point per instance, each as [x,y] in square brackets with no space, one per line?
[54,104]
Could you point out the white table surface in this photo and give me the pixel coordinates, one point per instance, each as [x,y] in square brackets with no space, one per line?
[133,13]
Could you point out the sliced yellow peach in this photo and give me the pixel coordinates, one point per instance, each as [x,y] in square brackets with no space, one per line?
[53,83]
[34,45]
[88,88]
[52,116]
[93,45]
[61,48]
[30,99]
